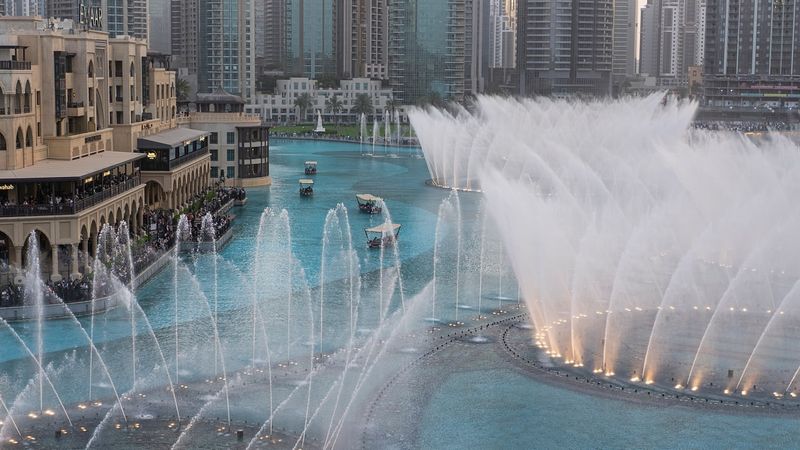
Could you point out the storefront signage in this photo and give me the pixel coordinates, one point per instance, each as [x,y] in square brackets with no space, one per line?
[91,17]
[151,155]
[6,187]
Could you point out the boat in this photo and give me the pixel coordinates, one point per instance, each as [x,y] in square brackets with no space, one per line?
[306,187]
[311,167]
[384,235]
[368,203]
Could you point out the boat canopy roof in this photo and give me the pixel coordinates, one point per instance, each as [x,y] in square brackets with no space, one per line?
[306,181]
[385,228]
[311,163]
[368,198]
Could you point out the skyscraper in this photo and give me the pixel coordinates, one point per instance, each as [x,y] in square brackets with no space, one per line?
[564,47]
[311,41]
[184,29]
[624,51]
[160,26]
[25,7]
[757,38]
[126,17]
[270,35]
[362,38]
[427,49]
[752,55]
[503,28]
[672,34]
[225,52]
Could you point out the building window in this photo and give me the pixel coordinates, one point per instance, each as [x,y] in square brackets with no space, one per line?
[119,117]
[38,98]
[118,68]
[38,129]
[231,138]
[214,172]
[214,138]
[213,155]
[231,155]
[231,172]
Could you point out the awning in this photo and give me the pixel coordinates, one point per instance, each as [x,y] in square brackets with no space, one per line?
[169,139]
[368,198]
[311,163]
[306,181]
[386,228]
[53,170]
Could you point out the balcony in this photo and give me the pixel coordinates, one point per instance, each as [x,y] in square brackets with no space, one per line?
[76,109]
[15,65]
[66,208]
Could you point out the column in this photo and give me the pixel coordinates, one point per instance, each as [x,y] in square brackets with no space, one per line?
[74,267]
[54,275]
[85,249]
[18,257]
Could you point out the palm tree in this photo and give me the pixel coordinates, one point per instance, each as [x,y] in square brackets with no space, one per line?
[182,90]
[362,105]
[392,105]
[334,105]
[302,103]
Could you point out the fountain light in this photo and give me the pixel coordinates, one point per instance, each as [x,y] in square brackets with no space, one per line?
[83,429]
[648,382]
[98,403]
[777,395]
[679,386]
[597,371]
[33,415]
[171,425]
[694,388]
[609,374]
[49,412]
[30,438]
[136,425]
[13,441]
[793,394]
[727,392]
[117,426]
[744,392]
[635,379]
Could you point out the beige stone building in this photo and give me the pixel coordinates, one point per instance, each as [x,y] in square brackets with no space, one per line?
[238,141]
[75,108]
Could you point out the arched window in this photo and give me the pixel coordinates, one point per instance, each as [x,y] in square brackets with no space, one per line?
[27,97]
[2,142]
[91,69]
[18,98]
[19,137]
[29,137]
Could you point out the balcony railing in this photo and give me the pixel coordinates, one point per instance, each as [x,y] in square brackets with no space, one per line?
[66,208]
[159,165]
[15,65]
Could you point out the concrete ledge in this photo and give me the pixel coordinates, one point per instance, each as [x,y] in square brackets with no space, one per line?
[59,310]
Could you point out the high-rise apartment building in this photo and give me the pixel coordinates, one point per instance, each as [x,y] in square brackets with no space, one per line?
[672,35]
[564,48]
[362,38]
[312,39]
[25,7]
[752,54]
[118,17]
[160,26]
[270,35]
[213,41]
[184,29]
[624,50]
[428,49]
[503,26]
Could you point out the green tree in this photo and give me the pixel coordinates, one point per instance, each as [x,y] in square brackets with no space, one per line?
[302,103]
[334,105]
[363,105]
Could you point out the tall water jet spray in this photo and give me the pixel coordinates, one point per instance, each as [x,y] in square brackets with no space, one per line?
[374,133]
[387,132]
[183,235]
[363,131]
[123,270]
[35,296]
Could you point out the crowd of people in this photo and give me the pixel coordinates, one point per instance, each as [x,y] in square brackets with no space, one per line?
[160,231]
[61,200]
[745,126]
